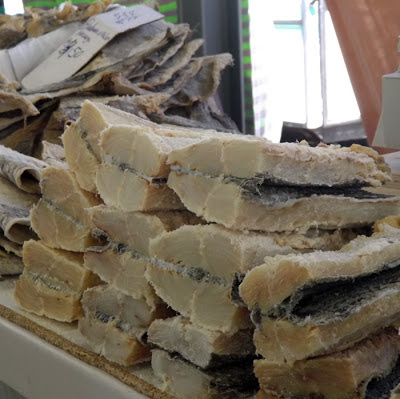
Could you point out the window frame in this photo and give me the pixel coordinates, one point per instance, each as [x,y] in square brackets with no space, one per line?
[330,132]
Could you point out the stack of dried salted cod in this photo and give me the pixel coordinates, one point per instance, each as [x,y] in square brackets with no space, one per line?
[220,179]
[324,319]
[126,164]
[251,184]
[136,153]
[118,314]
[207,350]
[54,277]
[19,186]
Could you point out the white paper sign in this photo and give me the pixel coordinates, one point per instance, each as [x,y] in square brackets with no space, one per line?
[72,55]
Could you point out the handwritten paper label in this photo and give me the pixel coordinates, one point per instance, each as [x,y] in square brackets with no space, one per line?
[72,55]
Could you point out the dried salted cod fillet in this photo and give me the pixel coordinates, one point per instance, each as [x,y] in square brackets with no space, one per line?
[115,324]
[204,115]
[13,100]
[122,86]
[80,140]
[60,187]
[140,148]
[59,230]
[281,341]
[145,39]
[53,154]
[15,206]
[23,135]
[64,266]
[16,118]
[22,170]
[283,163]
[10,247]
[183,380]
[202,298]
[106,302]
[347,374]
[177,36]
[123,269]
[204,83]
[61,218]
[10,264]
[273,208]
[135,229]
[47,297]
[279,277]
[12,30]
[166,71]
[106,339]
[202,347]
[223,252]
[129,190]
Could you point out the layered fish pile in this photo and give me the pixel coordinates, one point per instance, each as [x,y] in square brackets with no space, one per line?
[151,71]
[138,206]
[323,318]
[325,321]
[54,278]
[152,238]
[215,249]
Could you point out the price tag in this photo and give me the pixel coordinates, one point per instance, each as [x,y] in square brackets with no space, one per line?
[72,55]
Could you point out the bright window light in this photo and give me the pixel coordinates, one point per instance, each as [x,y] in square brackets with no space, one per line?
[13,7]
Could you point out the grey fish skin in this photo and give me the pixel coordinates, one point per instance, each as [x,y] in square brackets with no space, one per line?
[334,299]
